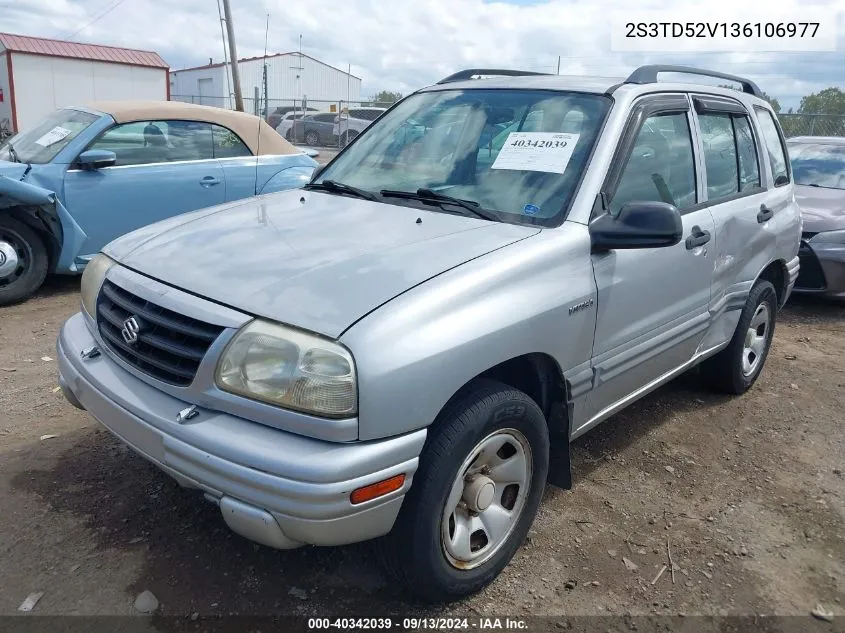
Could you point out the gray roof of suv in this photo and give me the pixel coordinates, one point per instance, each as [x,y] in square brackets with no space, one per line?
[535,82]
[592,84]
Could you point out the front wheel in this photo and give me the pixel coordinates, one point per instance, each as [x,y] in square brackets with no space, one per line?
[480,481]
[312,138]
[23,261]
[736,368]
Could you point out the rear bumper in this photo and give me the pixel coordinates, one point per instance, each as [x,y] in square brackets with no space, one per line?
[822,270]
[274,487]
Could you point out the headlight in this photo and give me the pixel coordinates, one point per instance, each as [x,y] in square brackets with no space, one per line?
[829,237]
[92,279]
[289,368]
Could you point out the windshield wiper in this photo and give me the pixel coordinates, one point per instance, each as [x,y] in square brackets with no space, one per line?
[429,195]
[339,187]
[13,154]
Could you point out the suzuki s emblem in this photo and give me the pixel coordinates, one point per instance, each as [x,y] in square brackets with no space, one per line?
[130,330]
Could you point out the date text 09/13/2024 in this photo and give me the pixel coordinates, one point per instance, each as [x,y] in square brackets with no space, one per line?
[419,624]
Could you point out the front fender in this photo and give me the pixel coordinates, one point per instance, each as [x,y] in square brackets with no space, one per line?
[415,352]
[290,178]
[42,209]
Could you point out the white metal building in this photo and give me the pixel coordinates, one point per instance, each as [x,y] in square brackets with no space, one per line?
[39,75]
[290,77]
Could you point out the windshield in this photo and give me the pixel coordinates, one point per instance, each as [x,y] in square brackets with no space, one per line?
[517,153]
[818,164]
[41,143]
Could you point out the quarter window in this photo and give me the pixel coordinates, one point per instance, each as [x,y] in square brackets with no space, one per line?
[660,168]
[730,155]
[227,144]
[749,166]
[774,145]
[146,142]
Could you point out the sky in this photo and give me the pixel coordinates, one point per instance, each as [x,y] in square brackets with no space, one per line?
[403,45]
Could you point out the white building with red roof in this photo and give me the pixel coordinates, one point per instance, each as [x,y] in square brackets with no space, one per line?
[38,75]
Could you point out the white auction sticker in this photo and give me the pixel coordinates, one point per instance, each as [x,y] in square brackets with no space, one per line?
[536,151]
[53,136]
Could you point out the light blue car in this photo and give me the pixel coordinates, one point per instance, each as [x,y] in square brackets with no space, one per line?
[86,175]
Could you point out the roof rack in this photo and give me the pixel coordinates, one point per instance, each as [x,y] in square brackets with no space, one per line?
[469,73]
[648,75]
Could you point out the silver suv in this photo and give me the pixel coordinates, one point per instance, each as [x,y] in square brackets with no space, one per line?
[405,348]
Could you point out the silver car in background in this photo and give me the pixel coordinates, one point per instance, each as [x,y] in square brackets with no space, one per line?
[404,349]
[818,163]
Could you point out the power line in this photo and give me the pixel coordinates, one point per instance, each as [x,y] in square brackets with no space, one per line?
[99,17]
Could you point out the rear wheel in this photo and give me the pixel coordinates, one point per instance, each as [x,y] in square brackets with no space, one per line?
[23,261]
[476,492]
[312,138]
[736,368]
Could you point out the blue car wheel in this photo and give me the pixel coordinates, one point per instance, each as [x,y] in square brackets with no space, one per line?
[23,261]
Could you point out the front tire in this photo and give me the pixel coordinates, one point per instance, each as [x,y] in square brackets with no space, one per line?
[737,367]
[479,484]
[23,261]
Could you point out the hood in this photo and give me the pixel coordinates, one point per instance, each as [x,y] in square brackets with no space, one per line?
[823,209]
[309,259]
[12,170]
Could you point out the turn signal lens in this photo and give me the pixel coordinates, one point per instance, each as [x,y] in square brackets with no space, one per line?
[373,491]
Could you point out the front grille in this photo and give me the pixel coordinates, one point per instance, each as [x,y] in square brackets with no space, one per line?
[810,275]
[169,345]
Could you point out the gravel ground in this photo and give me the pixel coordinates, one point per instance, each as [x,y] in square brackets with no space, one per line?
[748,494]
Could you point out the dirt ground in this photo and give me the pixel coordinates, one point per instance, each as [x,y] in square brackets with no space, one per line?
[748,493]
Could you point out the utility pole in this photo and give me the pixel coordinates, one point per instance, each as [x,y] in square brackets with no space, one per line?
[298,68]
[558,64]
[233,53]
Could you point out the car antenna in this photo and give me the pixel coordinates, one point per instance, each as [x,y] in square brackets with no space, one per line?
[258,108]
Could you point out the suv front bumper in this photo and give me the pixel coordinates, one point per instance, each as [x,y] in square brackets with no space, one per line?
[273,487]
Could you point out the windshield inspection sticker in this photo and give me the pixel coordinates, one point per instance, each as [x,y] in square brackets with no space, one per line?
[53,136]
[530,209]
[536,151]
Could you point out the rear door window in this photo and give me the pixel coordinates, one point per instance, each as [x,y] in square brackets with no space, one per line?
[730,155]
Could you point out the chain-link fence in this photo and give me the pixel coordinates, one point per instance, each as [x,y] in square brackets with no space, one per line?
[317,123]
[330,123]
[812,124]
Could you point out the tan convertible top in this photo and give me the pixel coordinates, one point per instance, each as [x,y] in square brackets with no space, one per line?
[245,125]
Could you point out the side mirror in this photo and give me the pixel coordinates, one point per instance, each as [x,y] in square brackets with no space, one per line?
[638,225]
[97,159]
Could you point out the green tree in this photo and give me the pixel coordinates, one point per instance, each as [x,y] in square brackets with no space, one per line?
[386,97]
[772,102]
[827,101]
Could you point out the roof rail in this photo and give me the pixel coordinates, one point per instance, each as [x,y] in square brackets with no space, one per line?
[469,73]
[648,75]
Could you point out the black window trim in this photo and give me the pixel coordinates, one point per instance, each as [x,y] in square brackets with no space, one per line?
[732,109]
[757,110]
[709,104]
[654,104]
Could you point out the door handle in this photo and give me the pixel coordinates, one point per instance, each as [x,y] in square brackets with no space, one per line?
[209,181]
[697,238]
[765,214]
